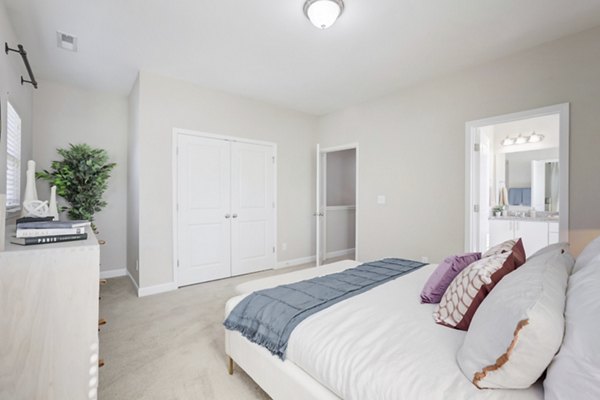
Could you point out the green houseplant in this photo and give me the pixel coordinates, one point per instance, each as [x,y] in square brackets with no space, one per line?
[81,178]
[497,210]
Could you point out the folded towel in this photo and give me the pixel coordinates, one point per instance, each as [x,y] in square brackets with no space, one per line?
[515,196]
[526,201]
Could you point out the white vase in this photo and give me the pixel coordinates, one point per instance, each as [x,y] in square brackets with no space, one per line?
[30,189]
[53,207]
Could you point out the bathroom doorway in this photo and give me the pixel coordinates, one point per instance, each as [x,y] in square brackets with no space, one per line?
[337,179]
[517,179]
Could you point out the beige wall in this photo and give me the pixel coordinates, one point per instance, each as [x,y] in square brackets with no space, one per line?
[412,145]
[11,68]
[65,114]
[165,104]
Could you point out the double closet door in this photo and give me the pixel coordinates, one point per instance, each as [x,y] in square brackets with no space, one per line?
[226,208]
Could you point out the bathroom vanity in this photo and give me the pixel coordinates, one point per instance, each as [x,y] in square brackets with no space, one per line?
[536,232]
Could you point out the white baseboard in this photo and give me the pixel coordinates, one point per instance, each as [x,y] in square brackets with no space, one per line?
[135,285]
[305,260]
[113,273]
[295,261]
[339,253]
[156,289]
[150,290]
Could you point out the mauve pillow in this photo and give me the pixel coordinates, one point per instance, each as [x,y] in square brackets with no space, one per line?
[440,279]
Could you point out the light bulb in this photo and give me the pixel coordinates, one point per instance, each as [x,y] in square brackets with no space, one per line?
[520,139]
[535,138]
[508,141]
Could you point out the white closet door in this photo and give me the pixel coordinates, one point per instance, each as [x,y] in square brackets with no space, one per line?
[204,209]
[252,207]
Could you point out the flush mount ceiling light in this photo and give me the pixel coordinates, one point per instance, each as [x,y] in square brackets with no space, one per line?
[323,13]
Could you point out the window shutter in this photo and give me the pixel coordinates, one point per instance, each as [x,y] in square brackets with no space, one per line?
[13,158]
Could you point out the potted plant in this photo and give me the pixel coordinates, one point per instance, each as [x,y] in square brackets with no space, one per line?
[497,210]
[81,178]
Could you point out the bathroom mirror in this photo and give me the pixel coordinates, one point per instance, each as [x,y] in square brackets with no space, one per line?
[532,179]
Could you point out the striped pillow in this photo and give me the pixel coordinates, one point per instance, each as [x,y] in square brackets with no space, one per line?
[472,285]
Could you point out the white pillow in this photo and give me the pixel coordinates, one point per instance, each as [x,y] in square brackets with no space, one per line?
[589,254]
[575,371]
[519,327]
[560,247]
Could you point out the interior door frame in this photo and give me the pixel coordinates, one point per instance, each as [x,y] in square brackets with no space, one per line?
[320,152]
[471,127]
[176,132]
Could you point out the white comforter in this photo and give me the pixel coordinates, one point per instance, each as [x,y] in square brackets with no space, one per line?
[384,344]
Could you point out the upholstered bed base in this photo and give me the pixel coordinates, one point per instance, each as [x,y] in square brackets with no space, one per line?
[281,380]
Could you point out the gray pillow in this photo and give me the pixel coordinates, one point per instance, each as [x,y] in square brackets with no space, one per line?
[575,371]
[561,247]
[589,254]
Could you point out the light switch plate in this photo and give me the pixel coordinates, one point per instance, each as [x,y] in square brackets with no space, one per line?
[380,199]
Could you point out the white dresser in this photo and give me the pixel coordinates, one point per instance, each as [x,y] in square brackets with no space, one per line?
[49,321]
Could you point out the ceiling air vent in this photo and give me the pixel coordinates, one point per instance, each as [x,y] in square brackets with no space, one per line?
[66,41]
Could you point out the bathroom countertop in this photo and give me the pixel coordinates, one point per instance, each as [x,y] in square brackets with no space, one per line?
[542,218]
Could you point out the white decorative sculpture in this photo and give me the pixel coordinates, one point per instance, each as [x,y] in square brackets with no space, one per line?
[30,190]
[35,208]
[32,207]
[53,207]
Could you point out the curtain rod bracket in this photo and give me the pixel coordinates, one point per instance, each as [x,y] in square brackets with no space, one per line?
[23,54]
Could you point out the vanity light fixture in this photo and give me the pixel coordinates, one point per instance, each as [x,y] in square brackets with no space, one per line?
[520,139]
[508,141]
[323,13]
[533,138]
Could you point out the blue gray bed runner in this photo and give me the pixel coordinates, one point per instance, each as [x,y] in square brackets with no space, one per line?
[268,317]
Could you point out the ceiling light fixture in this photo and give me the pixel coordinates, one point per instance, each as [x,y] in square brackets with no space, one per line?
[323,13]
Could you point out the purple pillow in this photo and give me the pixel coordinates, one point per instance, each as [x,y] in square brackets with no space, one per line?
[444,274]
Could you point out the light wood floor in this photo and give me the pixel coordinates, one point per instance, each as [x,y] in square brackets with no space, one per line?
[171,345]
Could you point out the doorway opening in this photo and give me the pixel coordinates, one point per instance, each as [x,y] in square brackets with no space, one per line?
[337,183]
[517,179]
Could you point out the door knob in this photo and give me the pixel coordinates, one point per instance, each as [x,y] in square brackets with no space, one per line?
[227,216]
[234,215]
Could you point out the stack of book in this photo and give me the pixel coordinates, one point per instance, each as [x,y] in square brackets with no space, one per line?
[44,230]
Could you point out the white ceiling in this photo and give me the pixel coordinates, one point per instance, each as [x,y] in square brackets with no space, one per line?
[266,49]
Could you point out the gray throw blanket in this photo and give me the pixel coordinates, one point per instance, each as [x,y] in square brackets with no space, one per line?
[268,317]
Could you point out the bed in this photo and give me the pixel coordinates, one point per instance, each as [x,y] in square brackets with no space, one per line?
[364,348]
[384,344]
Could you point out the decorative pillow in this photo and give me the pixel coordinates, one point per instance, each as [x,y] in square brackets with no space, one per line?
[469,288]
[443,275]
[519,327]
[575,371]
[561,247]
[589,254]
[503,247]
